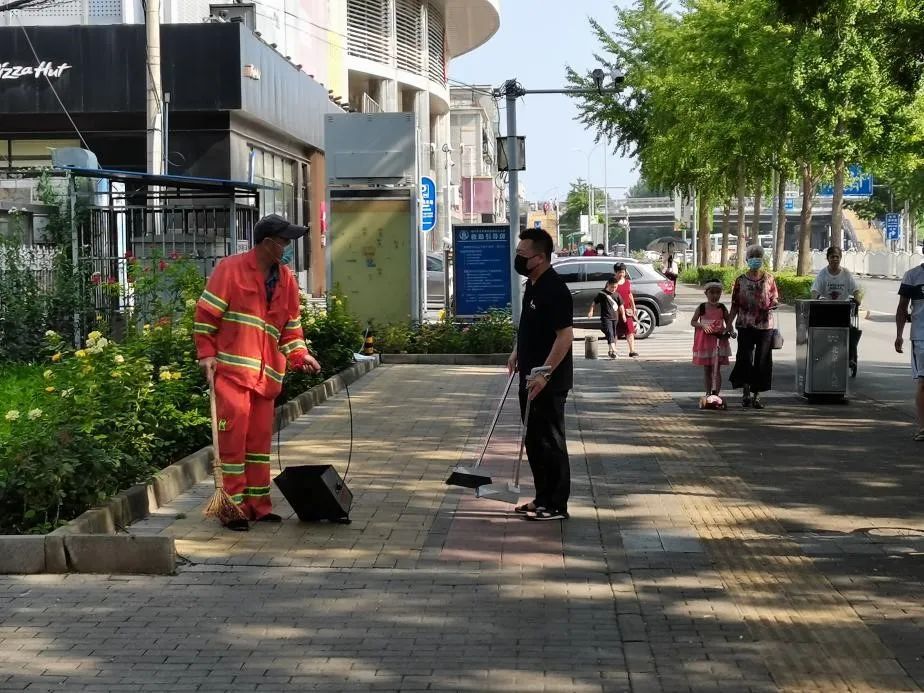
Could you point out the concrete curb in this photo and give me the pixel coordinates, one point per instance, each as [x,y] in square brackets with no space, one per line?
[446,359]
[90,543]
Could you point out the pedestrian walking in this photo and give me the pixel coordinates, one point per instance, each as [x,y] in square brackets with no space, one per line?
[247,327]
[601,249]
[627,328]
[612,312]
[838,284]
[670,268]
[712,326]
[589,249]
[911,295]
[754,296]
[544,339]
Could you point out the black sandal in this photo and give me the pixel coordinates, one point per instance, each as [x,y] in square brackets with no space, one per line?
[525,508]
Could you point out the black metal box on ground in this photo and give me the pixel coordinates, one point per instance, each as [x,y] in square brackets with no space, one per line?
[822,347]
[316,492]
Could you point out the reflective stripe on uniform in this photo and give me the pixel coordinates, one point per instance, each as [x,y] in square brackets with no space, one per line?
[204,328]
[232,468]
[215,301]
[289,347]
[241,361]
[273,374]
[258,457]
[252,321]
[293,324]
[257,491]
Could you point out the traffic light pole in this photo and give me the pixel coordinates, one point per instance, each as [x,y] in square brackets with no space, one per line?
[512,90]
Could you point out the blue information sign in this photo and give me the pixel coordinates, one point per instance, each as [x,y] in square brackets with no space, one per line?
[790,203]
[427,204]
[481,267]
[893,226]
[858,184]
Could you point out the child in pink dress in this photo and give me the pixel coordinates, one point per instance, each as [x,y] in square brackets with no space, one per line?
[713,327]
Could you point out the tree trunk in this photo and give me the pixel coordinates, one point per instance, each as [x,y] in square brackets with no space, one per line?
[742,191]
[804,264]
[780,247]
[837,204]
[704,229]
[755,218]
[726,229]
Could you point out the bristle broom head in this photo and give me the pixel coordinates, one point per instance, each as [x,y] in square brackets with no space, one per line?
[222,508]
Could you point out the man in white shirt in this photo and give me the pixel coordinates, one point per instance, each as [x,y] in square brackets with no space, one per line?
[911,291]
[833,282]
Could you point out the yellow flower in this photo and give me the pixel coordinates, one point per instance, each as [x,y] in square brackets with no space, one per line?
[67,393]
[34,414]
[49,389]
[147,328]
[102,343]
[115,374]
[94,335]
[190,302]
[165,375]
[56,357]
[51,334]
[48,375]
[12,415]
[80,353]
[177,376]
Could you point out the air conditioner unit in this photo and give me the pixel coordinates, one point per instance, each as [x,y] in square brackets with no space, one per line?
[235,12]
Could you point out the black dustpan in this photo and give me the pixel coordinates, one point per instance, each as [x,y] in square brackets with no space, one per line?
[316,492]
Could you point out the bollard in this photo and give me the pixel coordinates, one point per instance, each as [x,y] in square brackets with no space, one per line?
[590,346]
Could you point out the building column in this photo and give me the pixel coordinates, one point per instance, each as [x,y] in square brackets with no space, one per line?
[318,204]
[387,95]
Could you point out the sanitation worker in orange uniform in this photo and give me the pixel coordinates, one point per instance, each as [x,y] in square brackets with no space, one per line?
[248,326]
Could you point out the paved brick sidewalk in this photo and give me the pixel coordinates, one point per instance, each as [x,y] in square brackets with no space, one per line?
[677,571]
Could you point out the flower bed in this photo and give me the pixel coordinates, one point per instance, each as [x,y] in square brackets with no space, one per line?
[89,422]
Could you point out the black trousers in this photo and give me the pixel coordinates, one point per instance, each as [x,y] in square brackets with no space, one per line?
[754,360]
[609,329]
[547,448]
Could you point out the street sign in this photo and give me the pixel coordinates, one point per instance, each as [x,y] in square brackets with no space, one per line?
[482,267]
[858,184]
[893,226]
[427,204]
[790,203]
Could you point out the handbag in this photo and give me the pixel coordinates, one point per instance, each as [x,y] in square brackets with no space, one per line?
[776,340]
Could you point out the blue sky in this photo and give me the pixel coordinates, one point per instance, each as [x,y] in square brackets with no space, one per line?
[537,38]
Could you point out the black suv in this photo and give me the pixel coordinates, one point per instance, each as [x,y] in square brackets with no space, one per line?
[654,293]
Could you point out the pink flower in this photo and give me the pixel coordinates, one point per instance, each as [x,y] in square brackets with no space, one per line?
[95,278]
[162,265]
[129,255]
[112,280]
[174,255]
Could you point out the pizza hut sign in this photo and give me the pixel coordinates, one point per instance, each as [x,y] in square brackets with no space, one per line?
[45,69]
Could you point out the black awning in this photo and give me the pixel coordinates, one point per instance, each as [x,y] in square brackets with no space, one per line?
[167,181]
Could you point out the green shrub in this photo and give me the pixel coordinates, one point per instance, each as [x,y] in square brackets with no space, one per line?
[726,275]
[689,275]
[793,287]
[490,333]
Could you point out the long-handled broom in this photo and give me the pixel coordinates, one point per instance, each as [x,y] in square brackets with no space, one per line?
[469,476]
[220,507]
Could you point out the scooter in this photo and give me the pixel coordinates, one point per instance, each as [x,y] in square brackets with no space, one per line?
[714,400]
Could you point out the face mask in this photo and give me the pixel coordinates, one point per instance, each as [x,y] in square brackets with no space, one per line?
[755,263]
[520,265]
[287,255]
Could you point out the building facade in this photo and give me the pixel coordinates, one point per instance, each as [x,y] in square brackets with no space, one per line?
[476,191]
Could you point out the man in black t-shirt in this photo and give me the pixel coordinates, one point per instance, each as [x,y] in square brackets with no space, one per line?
[544,338]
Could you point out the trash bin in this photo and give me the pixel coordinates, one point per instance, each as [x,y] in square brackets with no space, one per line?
[822,348]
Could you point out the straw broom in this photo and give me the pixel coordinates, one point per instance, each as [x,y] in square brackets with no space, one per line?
[220,507]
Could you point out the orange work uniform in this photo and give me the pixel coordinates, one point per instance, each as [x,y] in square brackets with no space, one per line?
[251,338]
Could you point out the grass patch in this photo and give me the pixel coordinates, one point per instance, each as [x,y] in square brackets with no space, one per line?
[19,388]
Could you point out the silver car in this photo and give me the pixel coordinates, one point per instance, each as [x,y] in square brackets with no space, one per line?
[436,279]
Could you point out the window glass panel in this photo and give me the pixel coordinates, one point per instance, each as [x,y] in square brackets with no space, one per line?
[599,271]
[36,153]
[634,272]
[570,272]
[434,264]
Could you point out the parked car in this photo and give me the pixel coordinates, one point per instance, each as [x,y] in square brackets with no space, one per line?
[436,279]
[654,293]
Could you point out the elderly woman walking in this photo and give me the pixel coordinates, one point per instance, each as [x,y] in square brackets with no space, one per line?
[753,298]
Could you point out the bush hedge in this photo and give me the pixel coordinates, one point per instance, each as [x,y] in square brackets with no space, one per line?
[791,286]
[489,334]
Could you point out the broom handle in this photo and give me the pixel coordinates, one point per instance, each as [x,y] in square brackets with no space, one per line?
[487,441]
[516,474]
[216,461]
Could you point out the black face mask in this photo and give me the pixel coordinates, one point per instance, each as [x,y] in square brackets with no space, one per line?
[520,265]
